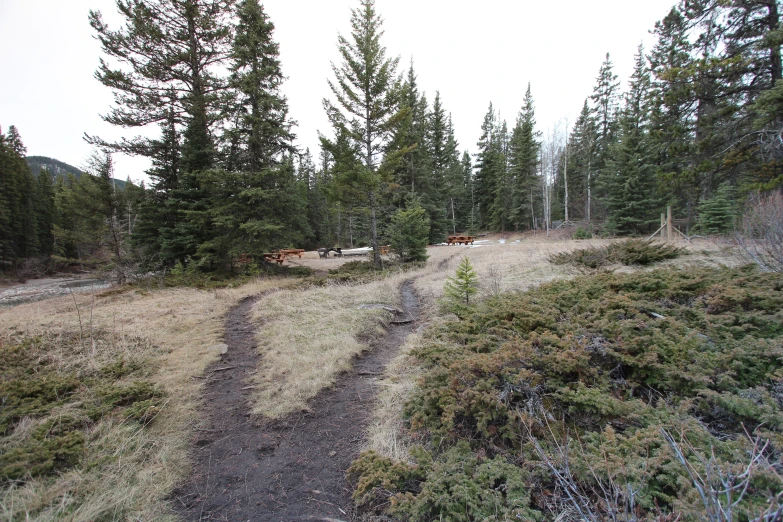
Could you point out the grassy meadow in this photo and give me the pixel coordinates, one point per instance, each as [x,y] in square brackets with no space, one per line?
[102,393]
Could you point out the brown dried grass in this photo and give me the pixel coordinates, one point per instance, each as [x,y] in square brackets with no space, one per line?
[138,467]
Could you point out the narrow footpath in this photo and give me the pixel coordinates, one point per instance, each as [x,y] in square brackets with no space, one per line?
[252,469]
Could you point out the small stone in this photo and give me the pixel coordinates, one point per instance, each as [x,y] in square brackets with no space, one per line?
[218,348]
[332,453]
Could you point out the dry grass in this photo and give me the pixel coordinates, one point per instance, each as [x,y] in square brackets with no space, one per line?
[386,431]
[307,337]
[128,470]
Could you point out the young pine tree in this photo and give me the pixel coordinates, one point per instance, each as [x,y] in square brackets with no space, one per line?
[460,288]
[408,233]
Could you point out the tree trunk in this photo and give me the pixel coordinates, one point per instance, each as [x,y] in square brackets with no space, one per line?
[565,177]
[453,217]
[376,255]
[589,195]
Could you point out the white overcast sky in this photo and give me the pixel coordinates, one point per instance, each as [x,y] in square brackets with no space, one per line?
[472,52]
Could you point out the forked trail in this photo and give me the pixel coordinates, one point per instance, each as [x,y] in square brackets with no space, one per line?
[249,468]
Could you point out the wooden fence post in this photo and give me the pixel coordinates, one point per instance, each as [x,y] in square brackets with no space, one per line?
[663,226]
[669,225]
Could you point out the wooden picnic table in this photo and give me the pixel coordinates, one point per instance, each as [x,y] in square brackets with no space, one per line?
[461,240]
[292,252]
[275,257]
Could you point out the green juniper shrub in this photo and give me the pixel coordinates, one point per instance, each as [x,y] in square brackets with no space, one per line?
[50,410]
[601,365]
[582,233]
[461,486]
[628,252]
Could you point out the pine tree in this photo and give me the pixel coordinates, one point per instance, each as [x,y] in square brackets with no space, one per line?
[412,173]
[502,197]
[486,165]
[408,233]
[581,163]
[671,112]
[168,55]
[367,109]
[19,231]
[460,288]
[45,212]
[605,102]
[457,184]
[630,180]
[440,152]
[523,165]
[717,214]
[261,131]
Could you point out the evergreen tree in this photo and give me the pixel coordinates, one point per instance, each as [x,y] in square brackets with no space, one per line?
[457,184]
[19,231]
[581,163]
[412,174]
[259,112]
[671,112]
[45,212]
[441,153]
[461,288]
[605,100]
[367,109]
[630,180]
[487,160]
[718,213]
[523,165]
[501,204]
[408,233]
[168,53]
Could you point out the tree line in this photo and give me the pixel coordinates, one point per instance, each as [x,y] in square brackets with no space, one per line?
[698,127]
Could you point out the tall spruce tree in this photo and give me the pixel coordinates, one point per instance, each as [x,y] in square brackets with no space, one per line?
[366,110]
[261,130]
[19,232]
[523,165]
[486,165]
[502,197]
[671,111]
[605,104]
[581,163]
[630,175]
[166,69]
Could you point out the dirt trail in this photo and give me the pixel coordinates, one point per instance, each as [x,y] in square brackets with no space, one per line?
[291,469]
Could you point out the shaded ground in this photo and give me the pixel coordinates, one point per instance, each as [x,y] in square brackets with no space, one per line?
[291,469]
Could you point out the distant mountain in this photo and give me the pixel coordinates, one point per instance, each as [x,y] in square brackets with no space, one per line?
[58,168]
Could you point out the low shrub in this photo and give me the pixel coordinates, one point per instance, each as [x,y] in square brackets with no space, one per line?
[50,410]
[628,252]
[582,233]
[574,384]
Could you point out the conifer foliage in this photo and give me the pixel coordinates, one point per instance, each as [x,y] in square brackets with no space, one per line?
[461,288]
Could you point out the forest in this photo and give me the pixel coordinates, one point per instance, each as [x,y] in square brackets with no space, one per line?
[697,127]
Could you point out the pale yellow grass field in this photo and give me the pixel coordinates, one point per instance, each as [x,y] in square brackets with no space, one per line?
[174,327]
[307,337]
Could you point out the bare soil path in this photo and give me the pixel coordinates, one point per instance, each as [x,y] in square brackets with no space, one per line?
[252,469]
